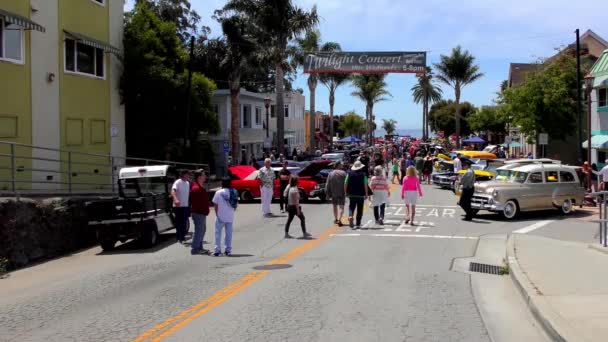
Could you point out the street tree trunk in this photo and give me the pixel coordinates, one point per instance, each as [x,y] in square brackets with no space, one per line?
[235,119]
[368,124]
[425,132]
[280,110]
[332,101]
[457,114]
[312,86]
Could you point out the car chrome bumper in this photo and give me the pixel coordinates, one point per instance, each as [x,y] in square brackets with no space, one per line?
[485,203]
[317,193]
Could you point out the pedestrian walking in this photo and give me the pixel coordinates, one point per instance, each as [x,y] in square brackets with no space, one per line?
[293,208]
[395,171]
[266,178]
[180,193]
[284,181]
[225,202]
[334,189]
[457,163]
[419,164]
[364,159]
[427,168]
[355,187]
[467,184]
[381,193]
[199,208]
[603,174]
[410,191]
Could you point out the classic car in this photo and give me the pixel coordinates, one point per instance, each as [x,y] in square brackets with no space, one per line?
[473,154]
[530,187]
[244,180]
[485,170]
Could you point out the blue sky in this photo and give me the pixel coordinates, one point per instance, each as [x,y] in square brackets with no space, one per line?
[496,32]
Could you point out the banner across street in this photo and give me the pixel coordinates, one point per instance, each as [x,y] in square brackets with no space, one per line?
[366,62]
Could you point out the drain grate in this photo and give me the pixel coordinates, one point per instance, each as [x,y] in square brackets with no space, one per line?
[484,268]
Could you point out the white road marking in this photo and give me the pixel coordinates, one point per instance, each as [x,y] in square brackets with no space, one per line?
[426,206]
[449,212]
[533,227]
[457,237]
[434,212]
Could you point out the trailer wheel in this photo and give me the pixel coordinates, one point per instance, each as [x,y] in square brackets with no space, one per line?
[107,245]
[149,237]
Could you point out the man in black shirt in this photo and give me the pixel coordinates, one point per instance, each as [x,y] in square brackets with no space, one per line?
[284,175]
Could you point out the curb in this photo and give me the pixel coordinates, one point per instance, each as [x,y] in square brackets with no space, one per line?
[555,326]
[598,248]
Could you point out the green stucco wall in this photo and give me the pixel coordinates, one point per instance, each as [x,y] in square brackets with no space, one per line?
[84,101]
[16,104]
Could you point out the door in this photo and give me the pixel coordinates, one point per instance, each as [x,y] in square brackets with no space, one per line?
[534,192]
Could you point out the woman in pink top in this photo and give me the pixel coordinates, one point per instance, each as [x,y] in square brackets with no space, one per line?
[409,192]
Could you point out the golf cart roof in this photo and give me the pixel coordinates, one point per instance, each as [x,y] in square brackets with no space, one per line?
[533,161]
[143,171]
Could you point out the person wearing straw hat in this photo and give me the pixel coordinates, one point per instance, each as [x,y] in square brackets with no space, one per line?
[467,183]
[355,188]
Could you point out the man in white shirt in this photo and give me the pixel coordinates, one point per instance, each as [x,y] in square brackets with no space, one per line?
[457,163]
[604,176]
[266,177]
[224,217]
[180,192]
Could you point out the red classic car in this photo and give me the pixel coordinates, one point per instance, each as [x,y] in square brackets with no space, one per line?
[244,180]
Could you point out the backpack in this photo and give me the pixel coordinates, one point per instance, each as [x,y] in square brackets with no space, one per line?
[234,198]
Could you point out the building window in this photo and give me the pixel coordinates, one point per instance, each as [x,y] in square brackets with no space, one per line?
[99,2]
[11,42]
[273,111]
[216,109]
[84,59]
[286,111]
[246,121]
[258,115]
[602,97]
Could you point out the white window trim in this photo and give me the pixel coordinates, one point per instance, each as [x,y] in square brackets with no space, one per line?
[10,60]
[261,122]
[102,3]
[78,73]
[598,97]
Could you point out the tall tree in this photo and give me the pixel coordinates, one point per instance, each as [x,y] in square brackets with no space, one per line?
[426,91]
[389,126]
[279,22]
[546,102]
[492,119]
[332,82]
[441,117]
[153,87]
[311,42]
[237,53]
[180,13]
[352,124]
[458,70]
[370,89]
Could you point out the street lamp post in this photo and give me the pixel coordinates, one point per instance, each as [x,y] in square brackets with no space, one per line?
[588,89]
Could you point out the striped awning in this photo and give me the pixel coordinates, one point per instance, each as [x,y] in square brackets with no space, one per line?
[92,42]
[20,21]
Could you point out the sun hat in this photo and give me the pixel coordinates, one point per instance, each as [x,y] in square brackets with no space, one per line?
[357,166]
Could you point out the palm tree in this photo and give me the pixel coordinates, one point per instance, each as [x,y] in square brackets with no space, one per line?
[332,82]
[352,124]
[236,52]
[389,126]
[457,71]
[311,42]
[371,90]
[278,22]
[426,92]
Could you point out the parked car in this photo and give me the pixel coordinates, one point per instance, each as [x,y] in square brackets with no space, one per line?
[529,187]
[141,211]
[334,157]
[485,170]
[244,180]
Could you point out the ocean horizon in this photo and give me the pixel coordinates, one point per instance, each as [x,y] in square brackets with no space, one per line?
[412,132]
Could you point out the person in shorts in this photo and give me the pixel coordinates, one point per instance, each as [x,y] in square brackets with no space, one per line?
[410,192]
[334,189]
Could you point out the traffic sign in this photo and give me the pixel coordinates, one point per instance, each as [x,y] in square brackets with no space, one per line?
[226,146]
[543,139]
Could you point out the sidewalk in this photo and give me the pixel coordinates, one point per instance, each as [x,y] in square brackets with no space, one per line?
[565,285]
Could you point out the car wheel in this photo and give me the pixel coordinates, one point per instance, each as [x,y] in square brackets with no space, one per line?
[150,235]
[303,196]
[246,196]
[107,245]
[322,198]
[510,210]
[566,207]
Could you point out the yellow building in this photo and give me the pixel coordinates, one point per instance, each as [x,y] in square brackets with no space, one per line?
[60,67]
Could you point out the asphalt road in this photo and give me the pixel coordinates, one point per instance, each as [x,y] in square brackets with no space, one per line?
[391,283]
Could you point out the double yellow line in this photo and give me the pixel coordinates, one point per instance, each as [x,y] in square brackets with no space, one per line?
[173,324]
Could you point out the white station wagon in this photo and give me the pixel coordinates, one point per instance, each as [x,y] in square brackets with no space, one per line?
[530,187]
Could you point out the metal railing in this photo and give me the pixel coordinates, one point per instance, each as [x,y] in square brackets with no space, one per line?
[602,202]
[27,169]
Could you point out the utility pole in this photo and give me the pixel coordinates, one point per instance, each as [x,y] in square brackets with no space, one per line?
[189,94]
[579,112]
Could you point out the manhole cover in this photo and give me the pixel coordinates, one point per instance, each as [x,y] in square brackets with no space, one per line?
[484,268]
[272,267]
